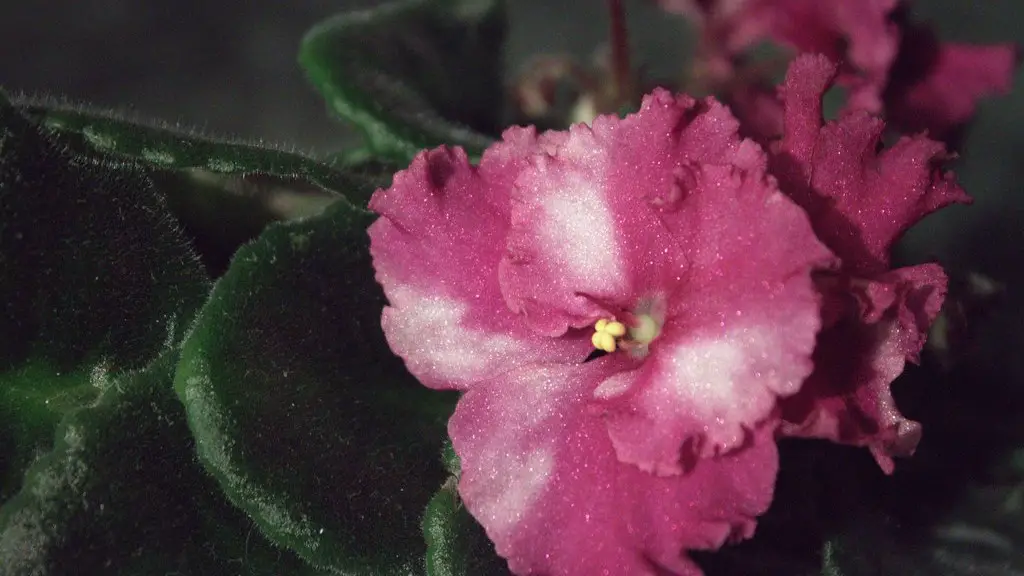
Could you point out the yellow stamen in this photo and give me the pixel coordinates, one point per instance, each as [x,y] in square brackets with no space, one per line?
[603,341]
[605,333]
[616,329]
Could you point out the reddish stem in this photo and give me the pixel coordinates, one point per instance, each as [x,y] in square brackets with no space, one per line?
[621,71]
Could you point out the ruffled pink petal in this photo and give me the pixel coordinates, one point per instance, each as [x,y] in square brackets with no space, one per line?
[436,249]
[848,399]
[740,330]
[860,200]
[807,80]
[540,474]
[936,86]
[586,240]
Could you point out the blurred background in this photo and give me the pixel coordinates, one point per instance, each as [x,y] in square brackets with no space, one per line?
[228,68]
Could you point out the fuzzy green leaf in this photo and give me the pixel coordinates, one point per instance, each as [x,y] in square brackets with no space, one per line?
[456,544]
[982,536]
[122,493]
[300,410]
[223,192]
[170,147]
[95,276]
[413,74]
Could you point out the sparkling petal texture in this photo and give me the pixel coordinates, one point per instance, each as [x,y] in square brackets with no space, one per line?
[436,251]
[847,399]
[740,328]
[860,201]
[666,221]
[547,487]
[586,240]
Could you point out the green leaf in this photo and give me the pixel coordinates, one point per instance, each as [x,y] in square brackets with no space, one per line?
[413,74]
[34,397]
[223,192]
[456,544]
[982,536]
[301,412]
[375,170]
[451,459]
[122,493]
[169,147]
[95,275]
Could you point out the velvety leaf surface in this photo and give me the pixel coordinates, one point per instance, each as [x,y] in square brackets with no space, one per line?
[456,544]
[220,212]
[301,412]
[122,493]
[980,544]
[161,145]
[413,74]
[95,275]
[223,192]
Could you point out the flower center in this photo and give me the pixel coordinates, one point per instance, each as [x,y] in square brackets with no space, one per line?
[645,329]
[606,334]
[610,334]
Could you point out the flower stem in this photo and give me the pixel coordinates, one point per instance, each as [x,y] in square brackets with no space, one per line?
[621,71]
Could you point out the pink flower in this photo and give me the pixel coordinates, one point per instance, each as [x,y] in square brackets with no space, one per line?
[860,201]
[935,86]
[659,238]
[886,64]
[859,34]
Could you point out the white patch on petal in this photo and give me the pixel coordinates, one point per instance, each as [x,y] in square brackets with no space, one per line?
[529,395]
[722,380]
[513,453]
[427,331]
[614,385]
[704,374]
[888,363]
[510,494]
[580,231]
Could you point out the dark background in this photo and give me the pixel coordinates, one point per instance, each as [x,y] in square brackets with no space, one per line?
[229,68]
